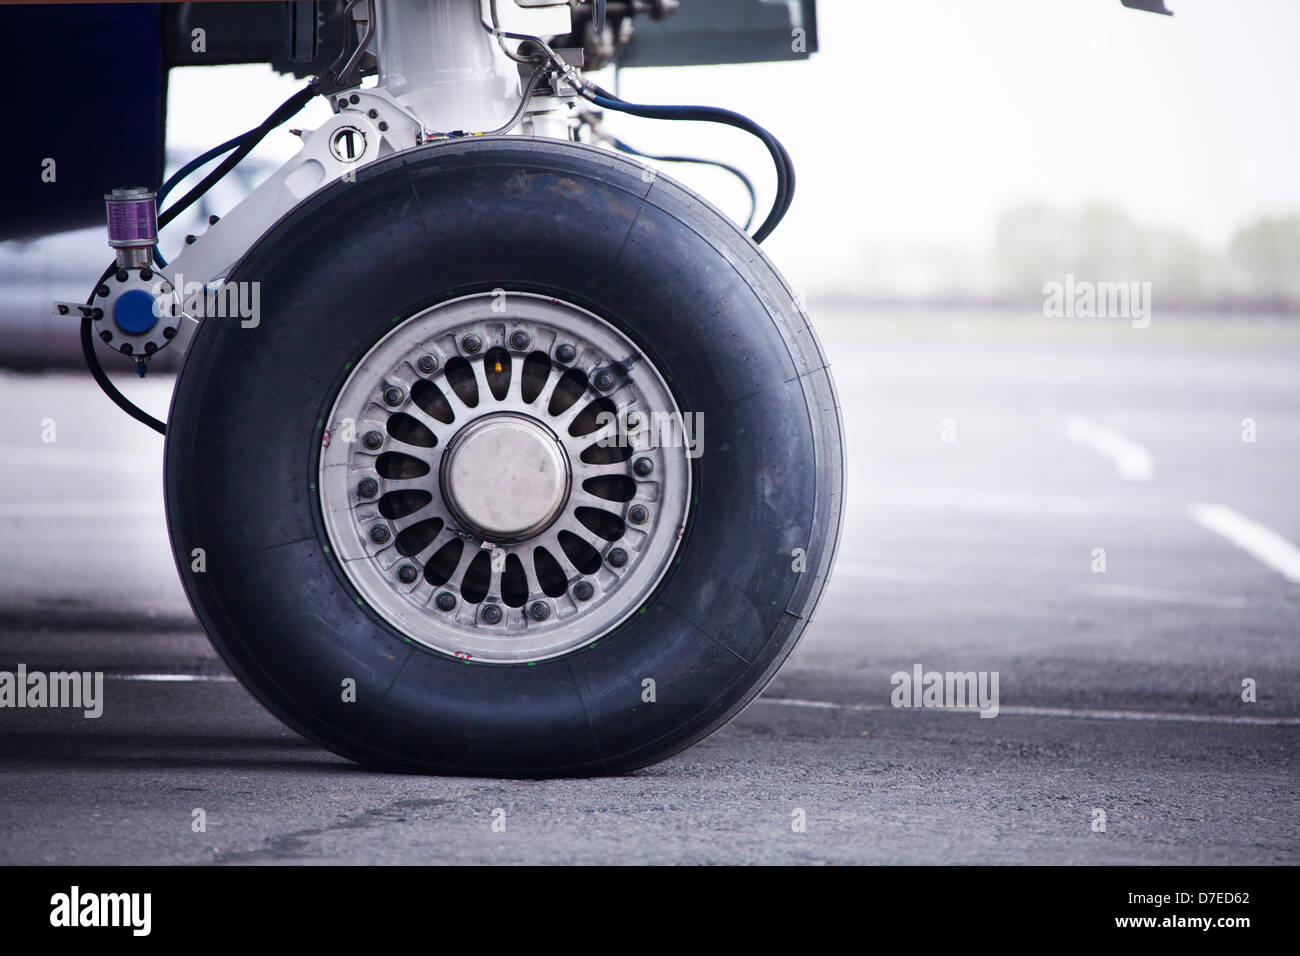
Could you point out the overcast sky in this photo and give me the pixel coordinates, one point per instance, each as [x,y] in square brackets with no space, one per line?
[918,122]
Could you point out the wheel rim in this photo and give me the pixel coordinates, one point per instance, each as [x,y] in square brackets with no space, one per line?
[505,477]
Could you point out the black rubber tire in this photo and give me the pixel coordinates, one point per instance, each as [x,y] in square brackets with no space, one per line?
[543,216]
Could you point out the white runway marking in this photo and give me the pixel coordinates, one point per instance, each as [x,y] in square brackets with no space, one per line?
[960,499]
[174,678]
[1161,596]
[79,509]
[1139,715]
[78,458]
[1259,542]
[1133,462]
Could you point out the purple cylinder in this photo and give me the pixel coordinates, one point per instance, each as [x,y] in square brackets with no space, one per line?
[132,217]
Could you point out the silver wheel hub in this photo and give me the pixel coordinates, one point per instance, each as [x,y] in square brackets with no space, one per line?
[505,477]
[495,478]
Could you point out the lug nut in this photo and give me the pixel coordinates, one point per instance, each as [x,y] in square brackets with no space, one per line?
[604,381]
[643,467]
[617,558]
[471,343]
[169,333]
[146,274]
[379,534]
[633,420]
[566,353]
[427,363]
[106,335]
[383,126]
[372,440]
[373,114]
[446,601]
[394,395]
[583,590]
[368,488]
[539,611]
[637,514]
[407,574]
[491,614]
[102,292]
[122,275]
[519,340]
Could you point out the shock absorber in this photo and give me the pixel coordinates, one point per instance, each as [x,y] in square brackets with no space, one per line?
[132,225]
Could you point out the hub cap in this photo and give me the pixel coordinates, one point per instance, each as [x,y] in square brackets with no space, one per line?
[504,478]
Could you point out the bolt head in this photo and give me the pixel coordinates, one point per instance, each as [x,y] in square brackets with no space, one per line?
[643,467]
[604,381]
[633,420]
[471,343]
[122,275]
[637,514]
[394,395]
[491,614]
[169,333]
[617,557]
[583,590]
[368,488]
[379,534]
[539,611]
[446,601]
[427,363]
[566,353]
[519,340]
[372,440]
[407,574]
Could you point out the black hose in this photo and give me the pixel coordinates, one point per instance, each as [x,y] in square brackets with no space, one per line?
[745,181]
[100,376]
[247,142]
[711,114]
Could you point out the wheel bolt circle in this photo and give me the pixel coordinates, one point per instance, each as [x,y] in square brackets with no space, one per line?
[583,590]
[491,614]
[427,363]
[379,534]
[643,466]
[471,343]
[446,601]
[539,611]
[367,488]
[617,557]
[372,440]
[407,574]
[637,514]
[394,395]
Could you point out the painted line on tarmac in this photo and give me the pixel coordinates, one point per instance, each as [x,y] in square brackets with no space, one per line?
[175,678]
[1136,715]
[1263,544]
[1132,461]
